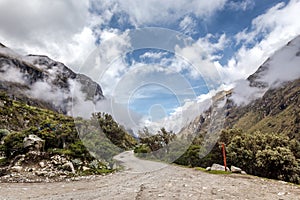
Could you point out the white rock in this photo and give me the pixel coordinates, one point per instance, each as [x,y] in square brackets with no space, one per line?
[42,164]
[281,193]
[235,169]
[69,166]
[243,172]
[33,141]
[115,166]
[40,173]
[16,169]
[84,168]
[208,168]
[217,167]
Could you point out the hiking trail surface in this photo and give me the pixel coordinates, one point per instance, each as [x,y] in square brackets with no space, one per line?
[142,179]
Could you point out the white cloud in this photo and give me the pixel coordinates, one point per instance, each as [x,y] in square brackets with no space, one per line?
[105,64]
[10,74]
[244,94]
[153,55]
[187,25]
[278,26]
[157,11]
[241,5]
[283,65]
[58,29]
[201,55]
[54,95]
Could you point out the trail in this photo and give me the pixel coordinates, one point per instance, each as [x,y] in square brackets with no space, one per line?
[143,179]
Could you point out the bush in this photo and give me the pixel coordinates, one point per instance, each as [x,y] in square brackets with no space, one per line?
[278,163]
[267,155]
[13,144]
[3,133]
[141,149]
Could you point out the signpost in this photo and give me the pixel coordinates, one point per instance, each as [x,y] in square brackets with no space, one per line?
[224,156]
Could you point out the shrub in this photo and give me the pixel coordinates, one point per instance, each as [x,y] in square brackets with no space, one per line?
[13,144]
[267,155]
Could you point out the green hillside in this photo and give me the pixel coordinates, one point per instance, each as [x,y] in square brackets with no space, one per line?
[262,138]
[101,138]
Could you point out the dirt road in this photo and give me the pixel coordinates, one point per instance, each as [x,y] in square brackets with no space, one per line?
[151,180]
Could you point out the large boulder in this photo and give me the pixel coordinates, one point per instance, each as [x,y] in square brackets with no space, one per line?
[217,167]
[33,142]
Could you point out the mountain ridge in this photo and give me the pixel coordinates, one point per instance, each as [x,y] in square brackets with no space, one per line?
[56,78]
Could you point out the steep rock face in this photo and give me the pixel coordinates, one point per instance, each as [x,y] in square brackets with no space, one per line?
[40,81]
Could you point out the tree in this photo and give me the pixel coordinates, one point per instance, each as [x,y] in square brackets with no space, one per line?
[157,141]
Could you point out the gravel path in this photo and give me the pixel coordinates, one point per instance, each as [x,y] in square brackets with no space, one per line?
[151,180]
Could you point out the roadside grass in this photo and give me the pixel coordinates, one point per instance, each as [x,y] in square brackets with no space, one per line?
[212,171]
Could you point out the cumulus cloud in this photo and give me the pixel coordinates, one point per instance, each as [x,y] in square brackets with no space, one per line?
[102,60]
[153,55]
[58,29]
[66,31]
[187,25]
[200,54]
[241,5]
[155,11]
[276,27]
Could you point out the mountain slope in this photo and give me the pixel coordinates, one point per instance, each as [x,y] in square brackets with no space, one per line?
[37,139]
[40,81]
[261,121]
[267,95]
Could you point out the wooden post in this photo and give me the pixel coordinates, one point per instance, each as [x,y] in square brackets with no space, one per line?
[224,156]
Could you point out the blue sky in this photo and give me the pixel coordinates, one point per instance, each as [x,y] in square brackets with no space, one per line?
[234,17]
[155,58]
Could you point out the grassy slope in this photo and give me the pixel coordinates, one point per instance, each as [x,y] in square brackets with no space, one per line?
[277,112]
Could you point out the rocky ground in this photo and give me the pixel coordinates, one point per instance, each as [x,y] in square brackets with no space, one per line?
[151,180]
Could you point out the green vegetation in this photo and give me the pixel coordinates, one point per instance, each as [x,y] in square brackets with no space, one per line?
[99,137]
[262,137]
[155,146]
[268,155]
[104,137]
